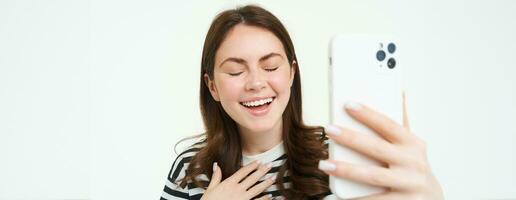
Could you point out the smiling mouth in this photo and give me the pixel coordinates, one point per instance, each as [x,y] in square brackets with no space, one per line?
[258,103]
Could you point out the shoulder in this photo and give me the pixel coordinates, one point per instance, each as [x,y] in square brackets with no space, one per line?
[182,160]
[172,189]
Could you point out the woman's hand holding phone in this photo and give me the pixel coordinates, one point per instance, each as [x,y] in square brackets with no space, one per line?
[239,186]
[406,172]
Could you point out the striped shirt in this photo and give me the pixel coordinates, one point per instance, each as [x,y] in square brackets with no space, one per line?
[172,190]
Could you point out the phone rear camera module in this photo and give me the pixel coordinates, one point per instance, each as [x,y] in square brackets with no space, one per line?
[391,63]
[391,48]
[380,55]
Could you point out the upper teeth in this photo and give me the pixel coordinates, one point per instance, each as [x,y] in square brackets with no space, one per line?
[257,102]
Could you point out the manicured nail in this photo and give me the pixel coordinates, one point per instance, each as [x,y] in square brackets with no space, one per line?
[272,178]
[354,106]
[326,165]
[257,162]
[269,165]
[215,166]
[332,130]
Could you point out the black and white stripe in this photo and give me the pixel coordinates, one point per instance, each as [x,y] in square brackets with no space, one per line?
[172,190]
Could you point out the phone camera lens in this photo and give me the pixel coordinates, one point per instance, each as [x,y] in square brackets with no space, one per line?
[391,47]
[391,63]
[380,55]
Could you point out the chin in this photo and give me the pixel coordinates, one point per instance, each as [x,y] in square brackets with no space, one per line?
[260,127]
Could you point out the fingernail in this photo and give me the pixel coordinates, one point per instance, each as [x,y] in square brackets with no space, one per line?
[273,177]
[254,162]
[326,165]
[269,165]
[354,106]
[332,130]
[215,166]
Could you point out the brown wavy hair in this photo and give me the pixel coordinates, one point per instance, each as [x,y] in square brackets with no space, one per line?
[303,146]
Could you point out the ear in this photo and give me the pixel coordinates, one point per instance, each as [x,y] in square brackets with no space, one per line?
[293,69]
[211,86]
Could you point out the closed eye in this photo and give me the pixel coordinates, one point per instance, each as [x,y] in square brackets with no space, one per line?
[271,69]
[235,74]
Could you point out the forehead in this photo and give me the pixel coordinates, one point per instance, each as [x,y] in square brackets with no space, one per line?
[249,43]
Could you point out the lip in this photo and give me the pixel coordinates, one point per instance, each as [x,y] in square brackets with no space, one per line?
[257,98]
[261,111]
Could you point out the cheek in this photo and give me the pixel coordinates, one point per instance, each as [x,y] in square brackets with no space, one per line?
[229,90]
[280,82]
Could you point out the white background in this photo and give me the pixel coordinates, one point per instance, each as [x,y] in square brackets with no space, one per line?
[94,94]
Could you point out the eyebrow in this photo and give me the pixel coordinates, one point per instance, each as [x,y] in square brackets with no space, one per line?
[242,61]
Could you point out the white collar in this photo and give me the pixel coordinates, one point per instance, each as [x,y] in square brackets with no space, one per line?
[265,157]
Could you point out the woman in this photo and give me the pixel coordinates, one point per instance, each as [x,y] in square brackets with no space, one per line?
[256,144]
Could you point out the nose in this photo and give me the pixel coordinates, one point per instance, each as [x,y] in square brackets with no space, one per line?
[256,81]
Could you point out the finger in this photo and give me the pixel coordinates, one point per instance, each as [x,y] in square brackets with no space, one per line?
[368,174]
[381,124]
[255,176]
[260,187]
[215,177]
[405,115]
[243,172]
[373,147]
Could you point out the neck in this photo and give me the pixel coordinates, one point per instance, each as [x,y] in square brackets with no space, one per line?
[254,142]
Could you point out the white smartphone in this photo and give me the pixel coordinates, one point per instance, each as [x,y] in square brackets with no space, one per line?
[363,69]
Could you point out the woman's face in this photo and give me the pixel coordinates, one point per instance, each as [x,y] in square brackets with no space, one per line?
[252,78]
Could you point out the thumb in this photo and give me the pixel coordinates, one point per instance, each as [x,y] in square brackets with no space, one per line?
[215,177]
